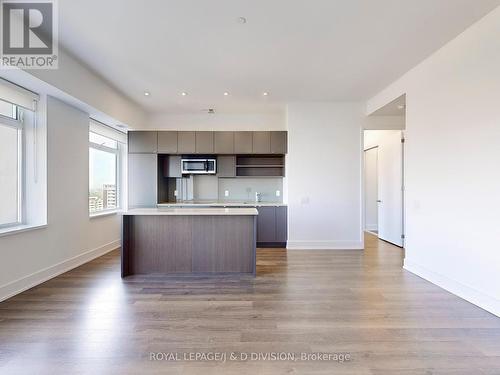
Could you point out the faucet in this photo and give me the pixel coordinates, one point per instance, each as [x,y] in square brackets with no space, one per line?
[258,196]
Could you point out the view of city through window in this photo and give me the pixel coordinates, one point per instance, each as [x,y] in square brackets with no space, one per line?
[102,180]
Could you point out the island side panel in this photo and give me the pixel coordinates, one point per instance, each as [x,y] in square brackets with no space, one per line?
[223,244]
[161,244]
[125,245]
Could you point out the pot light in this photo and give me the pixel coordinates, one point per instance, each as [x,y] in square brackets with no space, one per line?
[226,94]
[265,93]
[242,20]
[147,93]
[184,93]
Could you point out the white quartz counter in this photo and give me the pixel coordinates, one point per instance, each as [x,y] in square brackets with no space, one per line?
[207,211]
[221,204]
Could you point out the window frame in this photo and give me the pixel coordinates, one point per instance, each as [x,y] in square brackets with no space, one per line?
[117,152]
[16,122]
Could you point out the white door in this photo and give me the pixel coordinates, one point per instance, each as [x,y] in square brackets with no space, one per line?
[371,189]
[390,187]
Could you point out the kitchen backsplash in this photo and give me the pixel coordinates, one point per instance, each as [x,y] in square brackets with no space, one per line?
[239,189]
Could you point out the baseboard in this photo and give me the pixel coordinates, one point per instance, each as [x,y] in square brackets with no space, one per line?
[484,301]
[20,285]
[324,245]
[371,227]
[271,244]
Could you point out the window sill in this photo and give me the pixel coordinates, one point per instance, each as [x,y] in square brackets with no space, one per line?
[20,228]
[103,214]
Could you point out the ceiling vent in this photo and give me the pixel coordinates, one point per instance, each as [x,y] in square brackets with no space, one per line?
[210,111]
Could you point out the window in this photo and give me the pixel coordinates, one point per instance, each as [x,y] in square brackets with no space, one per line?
[11,162]
[23,159]
[104,168]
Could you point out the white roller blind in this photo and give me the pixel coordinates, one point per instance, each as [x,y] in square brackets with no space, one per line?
[17,95]
[107,131]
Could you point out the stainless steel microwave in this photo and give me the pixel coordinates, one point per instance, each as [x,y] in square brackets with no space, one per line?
[198,165]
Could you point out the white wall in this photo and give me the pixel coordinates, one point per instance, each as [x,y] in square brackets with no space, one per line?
[217,121]
[70,238]
[452,159]
[324,175]
[384,122]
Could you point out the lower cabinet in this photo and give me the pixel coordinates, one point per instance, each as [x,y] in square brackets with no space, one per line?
[272,226]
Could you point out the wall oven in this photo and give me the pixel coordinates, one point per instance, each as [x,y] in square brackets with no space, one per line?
[192,165]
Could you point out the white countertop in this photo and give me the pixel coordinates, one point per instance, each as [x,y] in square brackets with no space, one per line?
[231,211]
[202,203]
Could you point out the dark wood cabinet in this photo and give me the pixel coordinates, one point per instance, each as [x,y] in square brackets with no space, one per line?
[272,226]
[145,142]
[281,224]
[204,142]
[186,142]
[278,142]
[167,142]
[266,224]
[226,166]
[261,142]
[243,142]
[224,143]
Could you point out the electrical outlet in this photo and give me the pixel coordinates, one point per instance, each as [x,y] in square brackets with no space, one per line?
[226,193]
[176,193]
[278,193]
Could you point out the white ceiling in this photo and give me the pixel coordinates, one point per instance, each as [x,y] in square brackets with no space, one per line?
[297,50]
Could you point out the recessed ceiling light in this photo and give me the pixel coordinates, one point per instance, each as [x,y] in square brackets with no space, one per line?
[265,93]
[226,94]
[147,93]
[184,93]
[242,20]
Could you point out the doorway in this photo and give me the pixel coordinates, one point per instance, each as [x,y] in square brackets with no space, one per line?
[384,189]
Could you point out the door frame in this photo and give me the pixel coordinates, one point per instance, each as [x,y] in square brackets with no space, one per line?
[403,183]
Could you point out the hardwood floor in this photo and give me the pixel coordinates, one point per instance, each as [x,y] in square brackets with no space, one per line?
[89,321]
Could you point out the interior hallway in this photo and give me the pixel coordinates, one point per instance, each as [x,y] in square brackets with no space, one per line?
[362,303]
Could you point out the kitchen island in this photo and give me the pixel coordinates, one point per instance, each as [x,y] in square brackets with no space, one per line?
[188,241]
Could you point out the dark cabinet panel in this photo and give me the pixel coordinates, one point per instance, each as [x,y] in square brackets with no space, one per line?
[279,142]
[281,224]
[142,142]
[226,166]
[186,142]
[266,224]
[224,142]
[167,142]
[261,142]
[204,142]
[242,142]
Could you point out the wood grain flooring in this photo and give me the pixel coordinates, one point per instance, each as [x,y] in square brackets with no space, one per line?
[361,304]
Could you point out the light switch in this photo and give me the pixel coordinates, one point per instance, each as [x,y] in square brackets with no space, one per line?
[176,193]
[304,200]
[278,193]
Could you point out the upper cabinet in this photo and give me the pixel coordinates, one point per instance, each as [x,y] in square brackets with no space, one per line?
[167,142]
[279,143]
[204,142]
[208,142]
[242,142]
[261,143]
[142,142]
[224,143]
[186,142]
